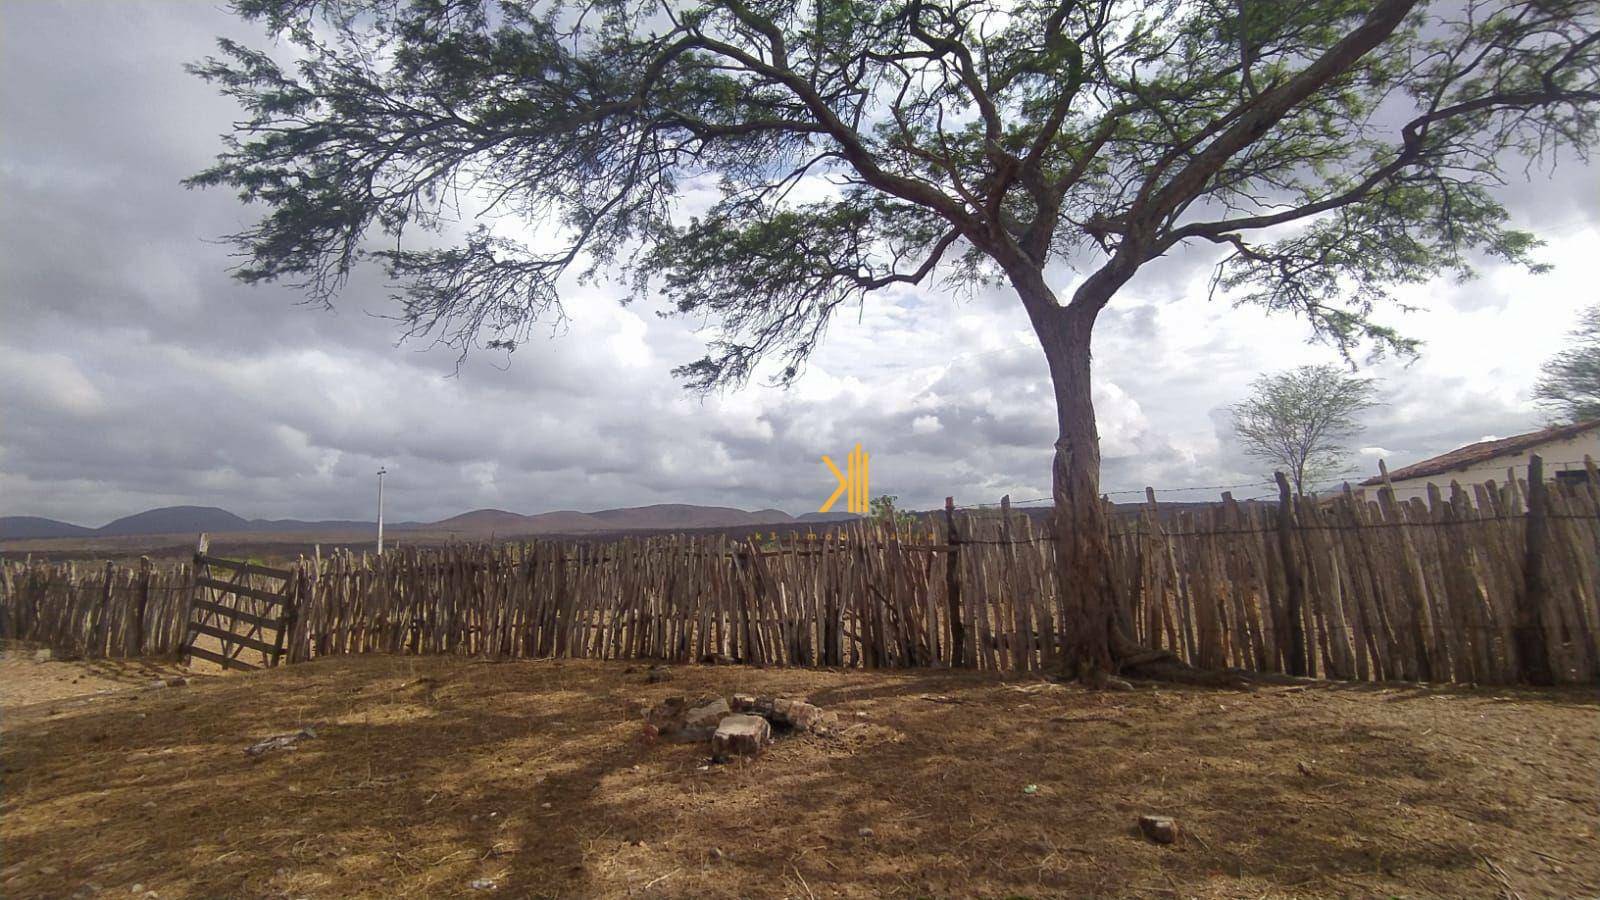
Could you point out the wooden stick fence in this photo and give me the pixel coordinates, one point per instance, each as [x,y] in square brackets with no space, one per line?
[1340,588]
[95,610]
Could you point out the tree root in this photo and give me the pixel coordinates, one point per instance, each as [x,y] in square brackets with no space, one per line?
[1135,661]
[1180,672]
[1096,678]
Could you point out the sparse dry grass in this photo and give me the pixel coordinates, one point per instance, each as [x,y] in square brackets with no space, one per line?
[430,773]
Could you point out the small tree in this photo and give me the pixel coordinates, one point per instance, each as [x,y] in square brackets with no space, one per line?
[1301,420]
[884,512]
[1570,388]
[1329,148]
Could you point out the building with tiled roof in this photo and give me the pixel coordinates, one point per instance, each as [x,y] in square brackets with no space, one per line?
[1563,449]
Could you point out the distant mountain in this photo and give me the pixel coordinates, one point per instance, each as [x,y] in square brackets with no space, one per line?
[187,520]
[661,517]
[563,520]
[682,515]
[21,527]
[827,517]
[486,521]
[321,525]
[478,523]
[177,520]
[483,519]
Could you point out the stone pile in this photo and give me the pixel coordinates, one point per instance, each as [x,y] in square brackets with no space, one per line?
[741,728]
[674,720]
[795,715]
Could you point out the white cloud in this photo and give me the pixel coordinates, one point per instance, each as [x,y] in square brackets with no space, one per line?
[48,382]
[137,374]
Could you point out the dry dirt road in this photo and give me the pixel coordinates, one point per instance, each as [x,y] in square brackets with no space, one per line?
[440,777]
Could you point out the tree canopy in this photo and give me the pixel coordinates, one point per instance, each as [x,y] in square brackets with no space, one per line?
[1334,148]
[1302,420]
[1570,386]
[762,163]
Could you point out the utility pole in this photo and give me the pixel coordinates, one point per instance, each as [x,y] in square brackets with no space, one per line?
[381,472]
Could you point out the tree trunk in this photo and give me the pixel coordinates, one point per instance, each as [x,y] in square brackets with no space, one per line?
[1082,532]
[1094,648]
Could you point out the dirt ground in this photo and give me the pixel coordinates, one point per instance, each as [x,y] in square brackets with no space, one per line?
[439,777]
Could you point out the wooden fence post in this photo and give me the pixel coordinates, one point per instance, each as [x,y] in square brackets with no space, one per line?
[1533,656]
[1291,574]
[952,584]
[1430,665]
[1022,638]
[201,546]
[140,610]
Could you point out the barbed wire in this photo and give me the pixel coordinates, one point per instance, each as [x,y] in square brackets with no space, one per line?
[1140,531]
[1120,493]
[1327,485]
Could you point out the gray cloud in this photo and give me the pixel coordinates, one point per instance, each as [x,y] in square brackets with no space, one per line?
[136,373]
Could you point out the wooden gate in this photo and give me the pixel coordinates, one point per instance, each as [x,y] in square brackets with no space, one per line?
[239,606]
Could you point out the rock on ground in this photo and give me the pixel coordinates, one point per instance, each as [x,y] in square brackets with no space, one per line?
[796,714]
[740,735]
[708,714]
[279,742]
[674,720]
[1161,829]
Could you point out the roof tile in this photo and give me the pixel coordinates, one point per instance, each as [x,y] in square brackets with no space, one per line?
[1461,457]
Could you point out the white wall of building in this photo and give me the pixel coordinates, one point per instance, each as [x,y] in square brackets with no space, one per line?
[1557,456]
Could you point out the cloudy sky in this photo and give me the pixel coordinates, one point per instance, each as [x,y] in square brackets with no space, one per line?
[135,373]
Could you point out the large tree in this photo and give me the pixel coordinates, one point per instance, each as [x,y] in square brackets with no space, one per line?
[1570,385]
[1302,419]
[1328,148]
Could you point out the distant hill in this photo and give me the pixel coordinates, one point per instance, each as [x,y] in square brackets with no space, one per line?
[501,522]
[664,516]
[20,527]
[322,525]
[482,520]
[176,520]
[173,520]
[191,520]
[564,520]
[827,517]
[682,515]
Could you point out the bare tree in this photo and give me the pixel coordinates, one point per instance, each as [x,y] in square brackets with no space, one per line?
[1302,420]
[1570,388]
[1328,148]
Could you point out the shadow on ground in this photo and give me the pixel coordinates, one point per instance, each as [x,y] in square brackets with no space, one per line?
[452,777]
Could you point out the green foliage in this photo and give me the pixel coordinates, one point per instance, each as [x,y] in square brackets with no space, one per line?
[1332,148]
[882,510]
[1302,419]
[1570,387]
